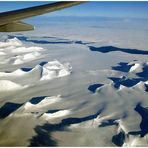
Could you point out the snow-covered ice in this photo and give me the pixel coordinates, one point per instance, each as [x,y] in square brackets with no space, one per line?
[66,86]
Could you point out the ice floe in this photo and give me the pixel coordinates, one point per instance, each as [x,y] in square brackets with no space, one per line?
[61,113]
[6,85]
[51,70]
[14,52]
[44,103]
[55,69]
[10,42]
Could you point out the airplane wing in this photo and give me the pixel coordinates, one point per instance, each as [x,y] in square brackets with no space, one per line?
[10,21]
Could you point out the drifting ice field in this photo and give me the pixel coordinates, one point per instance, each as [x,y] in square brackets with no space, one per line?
[77,82]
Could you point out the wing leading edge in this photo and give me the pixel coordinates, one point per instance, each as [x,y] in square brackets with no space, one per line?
[10,21]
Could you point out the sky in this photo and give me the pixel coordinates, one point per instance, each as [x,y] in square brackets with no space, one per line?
[126,9]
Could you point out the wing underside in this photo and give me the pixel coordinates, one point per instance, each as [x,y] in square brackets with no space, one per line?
[16,26]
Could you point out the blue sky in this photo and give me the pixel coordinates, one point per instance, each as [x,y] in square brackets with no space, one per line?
[105,9]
